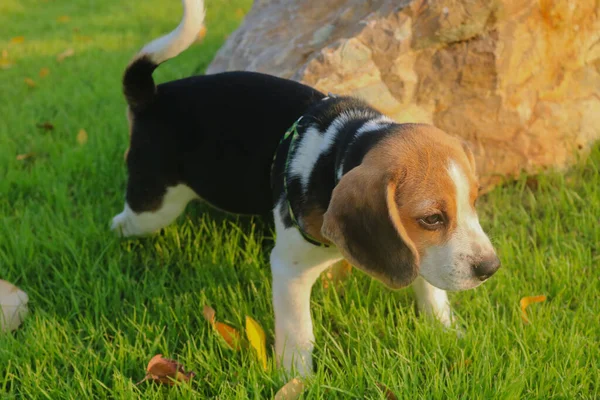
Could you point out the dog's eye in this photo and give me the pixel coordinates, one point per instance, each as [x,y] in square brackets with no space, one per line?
[433,221]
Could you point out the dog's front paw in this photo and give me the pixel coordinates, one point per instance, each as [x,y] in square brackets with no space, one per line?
[298,362]
[122,225]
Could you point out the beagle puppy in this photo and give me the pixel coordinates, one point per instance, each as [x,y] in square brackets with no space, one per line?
[395,200]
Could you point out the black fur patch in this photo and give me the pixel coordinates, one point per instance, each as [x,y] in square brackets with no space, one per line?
[347,150]
[215,133]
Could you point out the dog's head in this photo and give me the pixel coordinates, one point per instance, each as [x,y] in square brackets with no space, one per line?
[409,209]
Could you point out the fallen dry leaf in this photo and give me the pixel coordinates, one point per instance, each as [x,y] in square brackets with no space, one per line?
[47,126]
[257,339]
[526,301]
[229,334]
[30,82]
[209,313]
[389,395]
[44,72]
[460,364]
[4,53]
[336,275]
[202,33]
[291,390]
[17,39]
[82,137]
[240,13]
[67,53]
[5,63]
[83,38]
[63,18]
[13,302]
[164,370]
[25,156]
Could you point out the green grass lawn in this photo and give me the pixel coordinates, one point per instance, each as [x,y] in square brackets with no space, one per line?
[101,307]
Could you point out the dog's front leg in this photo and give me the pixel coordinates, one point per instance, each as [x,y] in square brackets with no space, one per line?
[295,265]
[432,301]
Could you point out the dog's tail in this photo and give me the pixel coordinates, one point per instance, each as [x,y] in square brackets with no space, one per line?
[138,85]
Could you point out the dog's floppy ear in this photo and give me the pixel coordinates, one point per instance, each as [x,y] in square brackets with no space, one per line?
[363,221]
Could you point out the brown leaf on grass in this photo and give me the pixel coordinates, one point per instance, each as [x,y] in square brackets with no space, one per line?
[389,395]
[67,53]
[164,370]
[25,156]
[30,82]
[291,390]
[526,301]
[209,313]
[13,306]
[47,126]
[44,72]
[229,334]
[5,63]
[4,54]
[63,18]
[239,13]
[82,137]
[336,275]
[17,39]
[460,364]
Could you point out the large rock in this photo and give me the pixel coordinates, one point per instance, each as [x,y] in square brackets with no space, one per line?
[518,79]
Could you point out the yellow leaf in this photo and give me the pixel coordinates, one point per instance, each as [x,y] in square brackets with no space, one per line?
[30,82]
[229,334]
[240,13]
[82,136]
[291,390]
[18,39]
[44,72]
[256,337]
[526,301]
[63,18]
[4,53]
[67,53]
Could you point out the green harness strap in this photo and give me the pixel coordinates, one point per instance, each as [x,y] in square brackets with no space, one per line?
[291,135]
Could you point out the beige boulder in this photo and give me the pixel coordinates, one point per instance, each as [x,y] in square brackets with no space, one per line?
[518,79]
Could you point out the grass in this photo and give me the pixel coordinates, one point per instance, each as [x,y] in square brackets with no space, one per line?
[101,307]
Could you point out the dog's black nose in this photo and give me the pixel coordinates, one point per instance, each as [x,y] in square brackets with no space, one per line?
[486,267]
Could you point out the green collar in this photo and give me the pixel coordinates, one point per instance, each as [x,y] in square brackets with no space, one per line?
[291,135]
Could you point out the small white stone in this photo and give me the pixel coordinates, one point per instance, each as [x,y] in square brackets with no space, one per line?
[14,306]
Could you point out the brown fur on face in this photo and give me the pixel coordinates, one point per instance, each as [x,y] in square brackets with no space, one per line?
[375,209]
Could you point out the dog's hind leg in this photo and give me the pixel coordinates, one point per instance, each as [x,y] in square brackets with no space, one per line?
[295,265]
[132,223]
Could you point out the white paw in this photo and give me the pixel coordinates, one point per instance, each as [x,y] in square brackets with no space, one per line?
[298,362]
[121,225]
